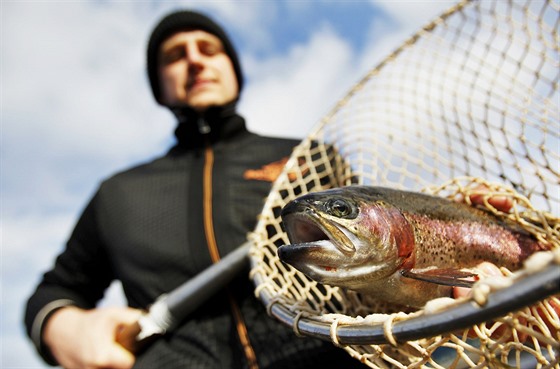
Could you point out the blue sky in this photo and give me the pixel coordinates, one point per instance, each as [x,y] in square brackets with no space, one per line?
[76,105]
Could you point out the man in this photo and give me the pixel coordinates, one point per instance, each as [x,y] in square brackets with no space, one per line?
[156,225]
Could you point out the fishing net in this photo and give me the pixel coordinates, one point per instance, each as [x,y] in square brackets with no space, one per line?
[469,104]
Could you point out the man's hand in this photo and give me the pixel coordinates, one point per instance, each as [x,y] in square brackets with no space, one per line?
[85,339]
[484,269]
[488,270]
[501,203]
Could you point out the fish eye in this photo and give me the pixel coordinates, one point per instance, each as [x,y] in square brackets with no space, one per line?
[341,209]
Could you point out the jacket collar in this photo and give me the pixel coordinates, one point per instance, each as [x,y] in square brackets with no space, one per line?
[196,129]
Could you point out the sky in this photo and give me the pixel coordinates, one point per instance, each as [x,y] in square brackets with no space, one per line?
[76,105]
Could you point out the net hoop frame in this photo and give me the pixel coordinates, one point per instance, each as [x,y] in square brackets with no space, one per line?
[527,290]
[407,339]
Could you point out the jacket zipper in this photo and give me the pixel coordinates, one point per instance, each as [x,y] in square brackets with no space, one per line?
[215,255]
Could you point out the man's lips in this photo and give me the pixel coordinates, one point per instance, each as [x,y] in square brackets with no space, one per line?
[200,83]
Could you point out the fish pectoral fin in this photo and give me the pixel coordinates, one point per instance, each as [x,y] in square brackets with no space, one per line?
[447,277]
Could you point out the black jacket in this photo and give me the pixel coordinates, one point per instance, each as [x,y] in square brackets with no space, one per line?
[157,225]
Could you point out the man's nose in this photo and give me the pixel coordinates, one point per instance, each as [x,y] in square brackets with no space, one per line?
[194,56]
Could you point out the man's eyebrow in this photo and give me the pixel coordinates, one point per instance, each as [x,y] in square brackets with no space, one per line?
[209,39]
[165,47]
[202,38]
[172,47]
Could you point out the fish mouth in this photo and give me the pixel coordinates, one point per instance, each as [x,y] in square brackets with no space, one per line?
[308,227]
[325,250]
[315,259]
[318,246]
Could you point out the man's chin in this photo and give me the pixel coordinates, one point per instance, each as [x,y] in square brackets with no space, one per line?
[201,102]
[204,103]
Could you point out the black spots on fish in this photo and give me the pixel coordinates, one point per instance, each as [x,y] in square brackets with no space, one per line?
[436,252]
[433,248]
[439,257]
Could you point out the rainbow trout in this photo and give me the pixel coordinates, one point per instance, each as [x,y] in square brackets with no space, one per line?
[403,247]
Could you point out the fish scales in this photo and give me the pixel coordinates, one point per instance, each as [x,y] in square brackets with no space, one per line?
[365,238]
[444,242]
[455,232]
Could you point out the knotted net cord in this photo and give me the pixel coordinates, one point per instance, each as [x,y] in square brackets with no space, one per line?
[471,99]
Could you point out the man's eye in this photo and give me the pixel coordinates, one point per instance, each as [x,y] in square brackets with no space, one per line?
[210,49]
[172,56]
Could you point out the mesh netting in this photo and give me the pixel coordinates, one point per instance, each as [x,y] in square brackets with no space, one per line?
[471,99]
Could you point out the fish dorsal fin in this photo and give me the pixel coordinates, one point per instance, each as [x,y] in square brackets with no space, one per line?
[446,276]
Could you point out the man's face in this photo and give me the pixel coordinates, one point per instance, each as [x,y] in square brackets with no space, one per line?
[194,70]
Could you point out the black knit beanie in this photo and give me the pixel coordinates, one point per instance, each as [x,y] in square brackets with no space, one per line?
[179,21]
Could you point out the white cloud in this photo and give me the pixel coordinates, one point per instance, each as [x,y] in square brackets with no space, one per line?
[75,107]
[76,83]
[291,93]
[76,103]
[411,15]
[29,242]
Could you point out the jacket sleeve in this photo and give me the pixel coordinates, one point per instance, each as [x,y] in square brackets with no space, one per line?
[79,277]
